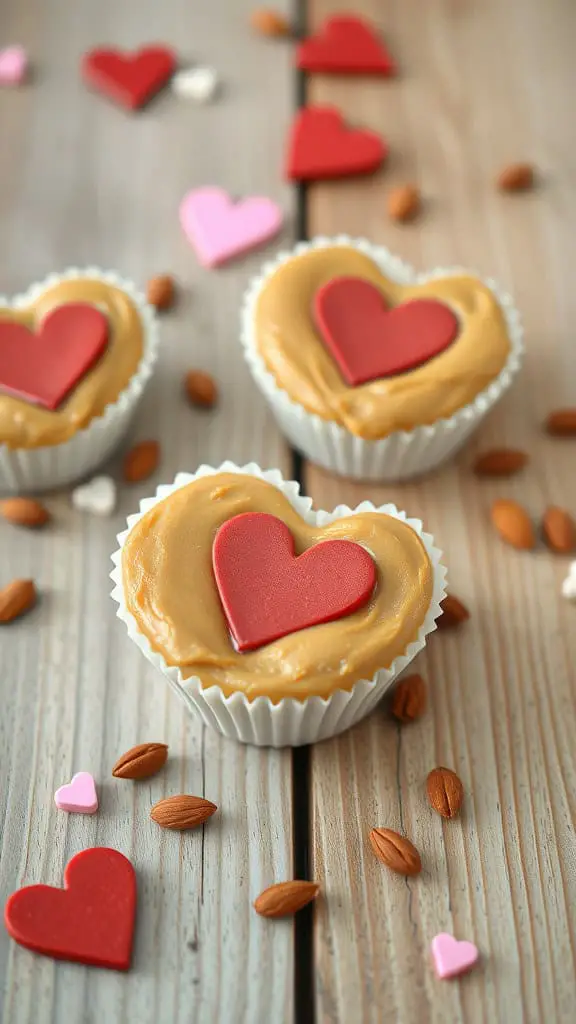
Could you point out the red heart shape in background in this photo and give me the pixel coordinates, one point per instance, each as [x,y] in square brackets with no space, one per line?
[268,592]
[90,921]
[345,45]
[45,366]
[130,79]
[321,146]
[369,340]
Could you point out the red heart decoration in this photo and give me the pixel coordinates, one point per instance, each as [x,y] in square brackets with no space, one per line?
[90,921]
[345,45]
[368,340]
[267,591]
[321,146]
[130,79]
[44,367]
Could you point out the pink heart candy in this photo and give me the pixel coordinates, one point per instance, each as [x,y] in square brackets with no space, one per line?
[13,65]
[452,957]
[79,795]
[220,229]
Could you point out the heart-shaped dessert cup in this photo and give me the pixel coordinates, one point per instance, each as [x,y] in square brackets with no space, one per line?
[290,721]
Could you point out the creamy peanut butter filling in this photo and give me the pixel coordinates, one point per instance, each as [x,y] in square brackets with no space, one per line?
[170,590]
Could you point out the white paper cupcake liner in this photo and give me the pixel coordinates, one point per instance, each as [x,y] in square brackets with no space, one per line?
[401,454]
[51,466]
[291,722]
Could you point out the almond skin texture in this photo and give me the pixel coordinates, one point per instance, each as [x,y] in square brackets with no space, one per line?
[409,699]
[201,389]
[454,613]
[562,423]
[16,599]
[395,851]
[516,178]
[267,22]
[445,792]
[559,530]
[403,203]
[513,524]
[141,461]
[500,462]
[161,291]
[24,512]
[180,812]
[141,762]
[285,898]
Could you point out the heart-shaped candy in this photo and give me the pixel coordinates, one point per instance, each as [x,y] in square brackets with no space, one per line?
[368,340]
[344,45]
[78,796]
[220,229]
[130,79]
[322,146]
[452,957]
[267,591]
[200,84]
[13,65]
[98,496]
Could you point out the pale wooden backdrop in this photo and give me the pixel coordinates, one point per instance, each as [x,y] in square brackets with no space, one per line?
[82,182]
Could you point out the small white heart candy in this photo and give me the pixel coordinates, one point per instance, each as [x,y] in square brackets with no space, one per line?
[198,84]
[98,496]
[569,584]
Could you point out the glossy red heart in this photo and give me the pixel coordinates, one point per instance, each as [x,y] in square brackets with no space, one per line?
[345,45]
[130,79]
[44,367]
[268,592]
[321,146]
[369,340]
[90,921]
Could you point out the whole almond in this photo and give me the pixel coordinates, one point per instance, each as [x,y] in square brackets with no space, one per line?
[180,812]
[141,762]
[24,512]
[559,530]
[500,462]
[16,599]
[562,423]
[285,898]
[267,22]
[403,202]
[141,461]
[395,851]
[516,178]
[160,291]
[201,388]
[445,792]
[454,613]
[409,699]
[513,524]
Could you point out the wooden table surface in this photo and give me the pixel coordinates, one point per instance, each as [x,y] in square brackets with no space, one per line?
[481,84]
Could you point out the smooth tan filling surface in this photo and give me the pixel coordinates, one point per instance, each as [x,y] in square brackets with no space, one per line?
[290,345]
[25,425]
[170,590]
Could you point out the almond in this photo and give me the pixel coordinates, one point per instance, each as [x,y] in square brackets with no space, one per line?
[285,898]
[562,423]
[395,851]
[409,699]
[403,202]
[141,762]
[516,178]
[267,22]
[141,461]
[201,389]
[180,812]
[16,599]
[454,612]
[445,792]
[513,524]
[559,530]
[24,512]
[500,462]
[160,291]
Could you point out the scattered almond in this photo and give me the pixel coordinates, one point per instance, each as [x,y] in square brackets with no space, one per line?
[559,530]
[24,512]
[16,599]
[201,388]
[500,462]
[403,202]
[395,851]
[516,178]
[180,812]
[454,613]
[409,699]
[267,22]
[141,762]
[161,291]
[562,423]
[141,461]
[513,524]
[285,898]
[445,792]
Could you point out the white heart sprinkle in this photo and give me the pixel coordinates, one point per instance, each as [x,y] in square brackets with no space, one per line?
[569,584]
[98,496]
[200,84]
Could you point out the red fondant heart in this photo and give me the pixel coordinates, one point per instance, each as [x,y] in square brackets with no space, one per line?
[321,146]
[90,921]
[267,591]
[368,340]
[130,79]
[44,367]
[345,45]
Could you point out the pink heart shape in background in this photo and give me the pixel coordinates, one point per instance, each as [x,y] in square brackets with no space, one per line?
[220,229]
[13,65]
[452,957]
[79,795]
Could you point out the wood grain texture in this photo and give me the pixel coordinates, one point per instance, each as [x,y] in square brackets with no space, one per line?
[481,85]
[84,183]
